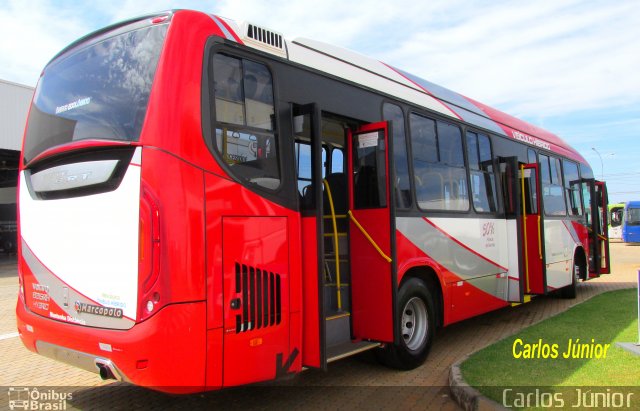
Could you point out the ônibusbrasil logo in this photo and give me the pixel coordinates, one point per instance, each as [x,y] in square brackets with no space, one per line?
[26,398]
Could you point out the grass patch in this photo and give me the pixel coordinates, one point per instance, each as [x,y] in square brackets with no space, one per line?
[606,319]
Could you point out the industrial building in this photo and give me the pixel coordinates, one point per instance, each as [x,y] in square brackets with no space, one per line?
[14,106]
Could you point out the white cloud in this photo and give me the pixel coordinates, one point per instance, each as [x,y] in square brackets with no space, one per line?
[33,32]
[532,59]
[535,58]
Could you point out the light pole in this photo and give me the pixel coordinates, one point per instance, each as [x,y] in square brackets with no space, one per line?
[601,163]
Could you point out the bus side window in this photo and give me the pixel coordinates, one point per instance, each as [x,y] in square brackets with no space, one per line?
[438,160]
[245,134]
[369,175]
[393,113]
[572,187]
[552,190]
[481,173]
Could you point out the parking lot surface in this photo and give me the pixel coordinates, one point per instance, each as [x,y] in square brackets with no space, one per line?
[354,383]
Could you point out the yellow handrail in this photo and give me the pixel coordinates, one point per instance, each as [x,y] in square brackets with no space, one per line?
[335,243]
[539,236]
[368,237]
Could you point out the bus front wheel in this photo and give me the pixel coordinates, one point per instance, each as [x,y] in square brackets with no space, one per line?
[416,321]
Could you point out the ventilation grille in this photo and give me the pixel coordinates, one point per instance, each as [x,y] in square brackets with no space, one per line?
[265,36]
[261,298]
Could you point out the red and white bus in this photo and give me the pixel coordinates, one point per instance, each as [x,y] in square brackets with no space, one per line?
[203,204]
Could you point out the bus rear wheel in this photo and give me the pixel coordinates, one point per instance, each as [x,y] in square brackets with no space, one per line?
[416,323]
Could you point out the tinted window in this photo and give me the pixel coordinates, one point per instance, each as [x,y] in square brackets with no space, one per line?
[530,191]
[439,173]
[473,151]
[402,187]
[244,112]
[486,157]
[552,189]
[369,170]
[545,174]
[483,181]
[572,188]
[632,216]
[586,174]
[554,170]
[423,139]
[99,92]
[450,144]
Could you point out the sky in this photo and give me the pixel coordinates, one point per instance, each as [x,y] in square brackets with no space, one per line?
[569,66]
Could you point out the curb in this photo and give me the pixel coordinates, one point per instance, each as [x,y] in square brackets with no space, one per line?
[465,395]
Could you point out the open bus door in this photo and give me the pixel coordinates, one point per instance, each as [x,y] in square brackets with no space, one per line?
[373,280]
[598,229]
[532,238]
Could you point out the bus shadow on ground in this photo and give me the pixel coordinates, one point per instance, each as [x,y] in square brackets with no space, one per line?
[119,396]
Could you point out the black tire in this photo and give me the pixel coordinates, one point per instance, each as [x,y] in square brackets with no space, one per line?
[569,292]
[416,319]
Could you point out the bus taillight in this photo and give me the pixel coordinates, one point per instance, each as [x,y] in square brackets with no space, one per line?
[148,255]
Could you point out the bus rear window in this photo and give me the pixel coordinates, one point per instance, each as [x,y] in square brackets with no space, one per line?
[98,92]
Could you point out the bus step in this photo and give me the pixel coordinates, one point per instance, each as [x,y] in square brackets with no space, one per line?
[347,349]
[527,298]
[337,328]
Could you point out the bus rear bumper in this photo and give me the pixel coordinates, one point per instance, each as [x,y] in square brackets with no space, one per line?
[167,352]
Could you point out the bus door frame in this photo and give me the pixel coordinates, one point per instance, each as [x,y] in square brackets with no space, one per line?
[599,202]
[534,271]
[372,243]
[314,353]
[511,187]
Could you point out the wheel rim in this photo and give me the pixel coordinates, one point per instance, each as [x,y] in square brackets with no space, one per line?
[414,323]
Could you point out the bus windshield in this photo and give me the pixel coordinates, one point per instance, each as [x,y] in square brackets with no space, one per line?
[98,92]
